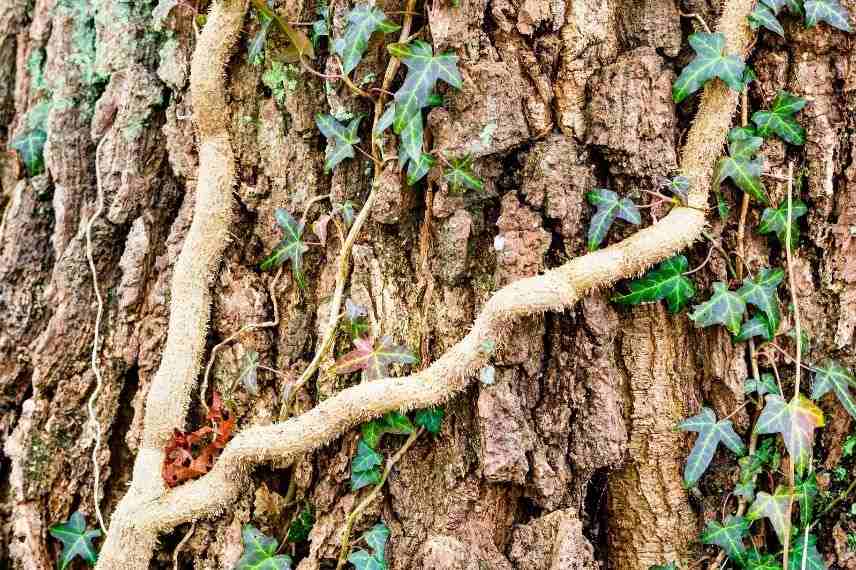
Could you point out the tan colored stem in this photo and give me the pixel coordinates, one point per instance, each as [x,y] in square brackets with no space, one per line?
[149,509]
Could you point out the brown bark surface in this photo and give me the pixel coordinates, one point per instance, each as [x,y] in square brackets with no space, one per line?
[569,458]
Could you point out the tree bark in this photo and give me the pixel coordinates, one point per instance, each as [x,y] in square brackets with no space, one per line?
[569,458]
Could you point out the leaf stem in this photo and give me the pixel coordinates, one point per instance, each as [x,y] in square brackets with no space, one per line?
[697,17]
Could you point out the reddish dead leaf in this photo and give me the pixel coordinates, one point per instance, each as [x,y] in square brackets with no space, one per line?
[191,455]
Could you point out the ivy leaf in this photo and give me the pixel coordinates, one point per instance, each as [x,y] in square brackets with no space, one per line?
[710,62]
[796,421]
[742,168]
[756,561]
[806,493]
[667,282]
[760,291]
[780,119]
[365,467]
[411,139]
[774,5]
[362,560]
[291,247]
[363,21]
[76,540]
[393,422]
[722,207]
[764,385]
[376,538]
[300,44]
[320,27]
[761,15]
[360,479]
[249,372]
[423,70]
[430,418]
[727,536]
[680,187]
[773,507]
[346,211]
[759,325]
[460,174]
[710,434]
[795,6]
[373,357]
[804,549]
[30,146]
[777,220]
[609,206]
[260,552]
[302,525]
[745,490]
[417,169]
[833,376]
[724,307]
[255,53]
[340,139]
[829,11]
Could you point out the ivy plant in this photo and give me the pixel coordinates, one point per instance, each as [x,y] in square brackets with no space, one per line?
[260,552]
[779,120]
[375,557]
[609,207]
[741,165]
[783,222]
[710,61]
[725,307]
[363,21]
[667,282]
[292,247]
[76,540]
[365,466]
[832,376]
[373,357]
[710,434]
[340,138]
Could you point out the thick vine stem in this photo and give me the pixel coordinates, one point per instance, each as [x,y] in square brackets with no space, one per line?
[148,509]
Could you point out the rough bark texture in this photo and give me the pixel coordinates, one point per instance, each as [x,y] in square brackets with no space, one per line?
[568,460]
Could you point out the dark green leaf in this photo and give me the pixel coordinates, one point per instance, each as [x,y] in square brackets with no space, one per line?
[745,490]
[385,121]
[764,385]
[805,494]
[320,27]
[728,536]
[76,540]
[754,560]
[680,187]
[372,432]
[780,120]
[760,291]
[365,467]
[777,220]
[744,172]
[829,11]
[667,282]
[362,560]
[260,552]
[430,418]
[710,434]
[774,5]
[833,376]
[759,325]
[761,15]
[291,247]
[460,174]
[795,6]
[609,206]
[30,146]
[417,169]
[360,479]
[748,77]
[423,71]
[724,307]
[774,507]
[804,554]
[397,423]
[376,538]
[363,21]
[796,421]
[302,525]
[411,139]
[340,139]
[722,207]
[710,61]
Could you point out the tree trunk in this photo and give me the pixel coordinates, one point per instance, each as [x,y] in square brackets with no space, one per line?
[568,457]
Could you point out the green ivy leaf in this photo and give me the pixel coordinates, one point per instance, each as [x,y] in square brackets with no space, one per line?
[805,493]
[302,525]
[667,282]
[680,187]
[796,421]
[774,5]
[764,385]
[722,207]
[780,119]
[376,538]
[256,50]
[76,540]
[745,490]
[724,307]
[609,206]
[321,26]
[761,15]
[759,325]
[804,554]
[384,121]
[395,423]
[710,62]
[363,21]
[710,434]
[365,467]
[756,561]
[430,418]
[417,169]
[742,168]
[362,560]
[291,247]
[30,146]
[340,139]
[773,507]
[373,357]
[760,291]
[727,536]
[424,69]
[411,139]
[829,11]
[360,479]
[460,175]
[795,6]
[260,552]
[777,220]
[833,376]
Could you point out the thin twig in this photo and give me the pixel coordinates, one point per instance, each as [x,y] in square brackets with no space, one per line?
[705,262]
[180,546]
[699,18]
[358,510]
[718,248]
